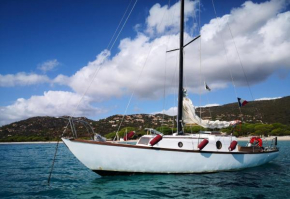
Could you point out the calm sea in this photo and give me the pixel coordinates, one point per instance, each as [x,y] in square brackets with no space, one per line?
[24,169]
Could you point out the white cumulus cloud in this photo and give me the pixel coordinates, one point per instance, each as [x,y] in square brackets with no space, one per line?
[263,45]
[48,65]
[172,111]
[22,79]
[267,98]
[208,105]
[51,103]
[261,35]
[164,18]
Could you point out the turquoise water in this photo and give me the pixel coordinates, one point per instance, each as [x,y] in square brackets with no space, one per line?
[24,169]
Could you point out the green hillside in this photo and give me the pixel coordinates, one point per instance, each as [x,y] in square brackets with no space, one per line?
[266,117]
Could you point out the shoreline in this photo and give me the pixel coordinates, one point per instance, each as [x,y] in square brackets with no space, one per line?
[280,138]
[37,142]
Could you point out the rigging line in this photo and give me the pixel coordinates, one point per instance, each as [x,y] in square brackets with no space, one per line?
[207,98]
[91,82]
[119,24]
[100,66]
[240,60]
[190,35]
[52,166]
[139,74]
[230,70]
[209,107]
[94,76]
[134,88]
[117,133]
[199,69]
[176,87]
[53,161]
[175,91]
[206,94]
[199,11]
[201,64]
[185,75]
[65,128]
[123,25]
[194,19]
[164,88]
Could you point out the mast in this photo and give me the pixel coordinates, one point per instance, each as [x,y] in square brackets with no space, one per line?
[180,87]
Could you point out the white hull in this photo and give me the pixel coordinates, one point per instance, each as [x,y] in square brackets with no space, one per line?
[106,158]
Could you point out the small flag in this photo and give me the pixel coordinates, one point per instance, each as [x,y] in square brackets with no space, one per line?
[242,102]
[206,87]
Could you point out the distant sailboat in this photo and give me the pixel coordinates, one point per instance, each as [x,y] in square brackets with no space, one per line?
[207,151]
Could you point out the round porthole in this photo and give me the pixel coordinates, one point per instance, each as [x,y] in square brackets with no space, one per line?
[180,144]
[219,145]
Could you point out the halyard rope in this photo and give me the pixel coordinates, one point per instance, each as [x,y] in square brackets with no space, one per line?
[92,79]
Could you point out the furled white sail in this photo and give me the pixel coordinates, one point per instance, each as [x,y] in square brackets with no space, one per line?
[190,117]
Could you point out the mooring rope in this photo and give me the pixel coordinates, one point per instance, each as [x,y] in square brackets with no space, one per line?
[52,166]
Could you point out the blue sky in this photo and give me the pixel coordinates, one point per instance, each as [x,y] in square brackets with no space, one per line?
[49,51]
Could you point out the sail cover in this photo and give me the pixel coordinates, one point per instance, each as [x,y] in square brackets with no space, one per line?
[190,117]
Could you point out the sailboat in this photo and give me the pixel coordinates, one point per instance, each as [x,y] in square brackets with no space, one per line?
[179,153]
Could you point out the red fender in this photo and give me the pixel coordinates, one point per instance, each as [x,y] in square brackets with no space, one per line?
[202,144]
[233,145]
[129,135]
[156,139]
